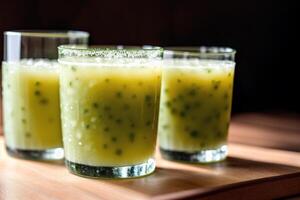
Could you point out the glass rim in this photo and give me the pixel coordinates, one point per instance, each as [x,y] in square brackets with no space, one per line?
[48,33]
[200,50]
[110,51]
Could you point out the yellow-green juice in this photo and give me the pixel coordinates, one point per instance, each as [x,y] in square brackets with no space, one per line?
[195,108]
[31,105]
[109,112]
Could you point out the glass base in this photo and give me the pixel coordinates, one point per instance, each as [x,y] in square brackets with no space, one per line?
[45,155]
[203,156]
[112,172]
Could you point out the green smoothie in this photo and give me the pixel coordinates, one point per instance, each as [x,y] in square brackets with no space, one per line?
[31,105]
[195,105]
[109,111]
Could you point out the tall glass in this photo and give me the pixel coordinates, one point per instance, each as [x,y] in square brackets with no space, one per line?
[195,103]
[30,85]
[109,108]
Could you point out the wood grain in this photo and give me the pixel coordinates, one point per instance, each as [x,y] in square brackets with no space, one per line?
[248,173]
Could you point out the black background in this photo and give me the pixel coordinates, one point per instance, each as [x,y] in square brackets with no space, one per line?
[258,30]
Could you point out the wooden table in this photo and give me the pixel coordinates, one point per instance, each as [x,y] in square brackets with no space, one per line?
[272,130]
[250,172]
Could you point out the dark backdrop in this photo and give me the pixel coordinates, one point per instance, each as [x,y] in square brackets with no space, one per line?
[258,30]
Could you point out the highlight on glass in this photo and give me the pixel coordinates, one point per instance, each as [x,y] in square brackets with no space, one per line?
[195,105]
[32,124]
[109,108]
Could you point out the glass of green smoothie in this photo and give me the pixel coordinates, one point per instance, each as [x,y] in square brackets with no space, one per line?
[195,104]
[109,109]
[30,87]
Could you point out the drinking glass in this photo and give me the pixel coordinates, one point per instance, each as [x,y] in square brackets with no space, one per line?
[32,126]
[109,108]
[195,103]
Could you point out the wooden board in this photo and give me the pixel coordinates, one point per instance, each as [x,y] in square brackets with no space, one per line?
[248,173]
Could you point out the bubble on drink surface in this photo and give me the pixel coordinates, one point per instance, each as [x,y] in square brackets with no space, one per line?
[199,64]
[111,63]
[39,64]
